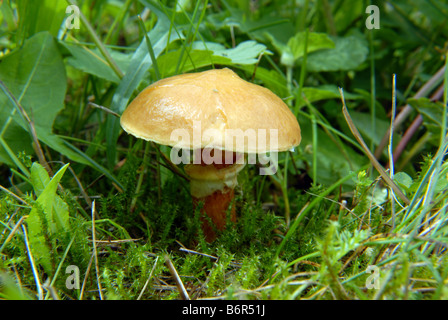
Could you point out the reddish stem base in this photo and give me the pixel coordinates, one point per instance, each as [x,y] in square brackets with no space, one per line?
[215,208]
[213,185]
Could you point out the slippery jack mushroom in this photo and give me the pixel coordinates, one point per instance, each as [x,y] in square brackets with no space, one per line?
[224,120]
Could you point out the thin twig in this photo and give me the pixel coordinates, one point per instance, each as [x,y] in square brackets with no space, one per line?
[116,241]
[31,128]
[81,188]
[391,153]
[369,154]
[149,278]
[256,66]
[86,276]
[100,290]
[104,109]
[413,128]
[180,286]
[40,292]
[14,195]
[198,253]
[51,290]
[170,165]
[233,264]
[13,231]
[406,111]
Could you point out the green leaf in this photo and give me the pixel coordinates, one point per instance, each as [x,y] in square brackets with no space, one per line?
[35,76]
[347,14]
[39,178]
[239,18]
[271,79]
[316,41]
[17,140]
[138,68]
[56,143]
[246,52]
[38,16]
[10,289]
[333,161]
[209,53]
[294,49]
[91,61]
[7,15]
[325,92]
[403,180]
[363,122]
[432,113]
[196,59]
[348,54]
[49,217]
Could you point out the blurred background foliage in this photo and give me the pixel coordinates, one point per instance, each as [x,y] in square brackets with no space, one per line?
[68,69]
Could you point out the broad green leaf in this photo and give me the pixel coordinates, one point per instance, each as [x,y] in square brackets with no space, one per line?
[246,52]
[316,41]
[170,27]
[206,54]
[196,59]
[38,16]
[161,35]
[49,217]
[348,54]
[295,48]
[35,76]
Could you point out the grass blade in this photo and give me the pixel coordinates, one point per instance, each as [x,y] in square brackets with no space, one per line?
[369,154]
[99,43]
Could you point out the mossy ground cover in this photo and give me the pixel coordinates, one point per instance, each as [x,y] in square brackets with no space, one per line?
[89,212]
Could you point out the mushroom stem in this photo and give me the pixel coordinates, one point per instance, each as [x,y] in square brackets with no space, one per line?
[213,185]
[215,206]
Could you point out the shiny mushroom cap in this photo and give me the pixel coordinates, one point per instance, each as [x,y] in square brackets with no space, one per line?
[212,109]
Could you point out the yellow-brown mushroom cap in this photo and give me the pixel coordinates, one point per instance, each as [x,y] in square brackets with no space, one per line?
[221,104]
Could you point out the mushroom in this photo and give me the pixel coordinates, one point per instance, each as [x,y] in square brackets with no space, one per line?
[218,122]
